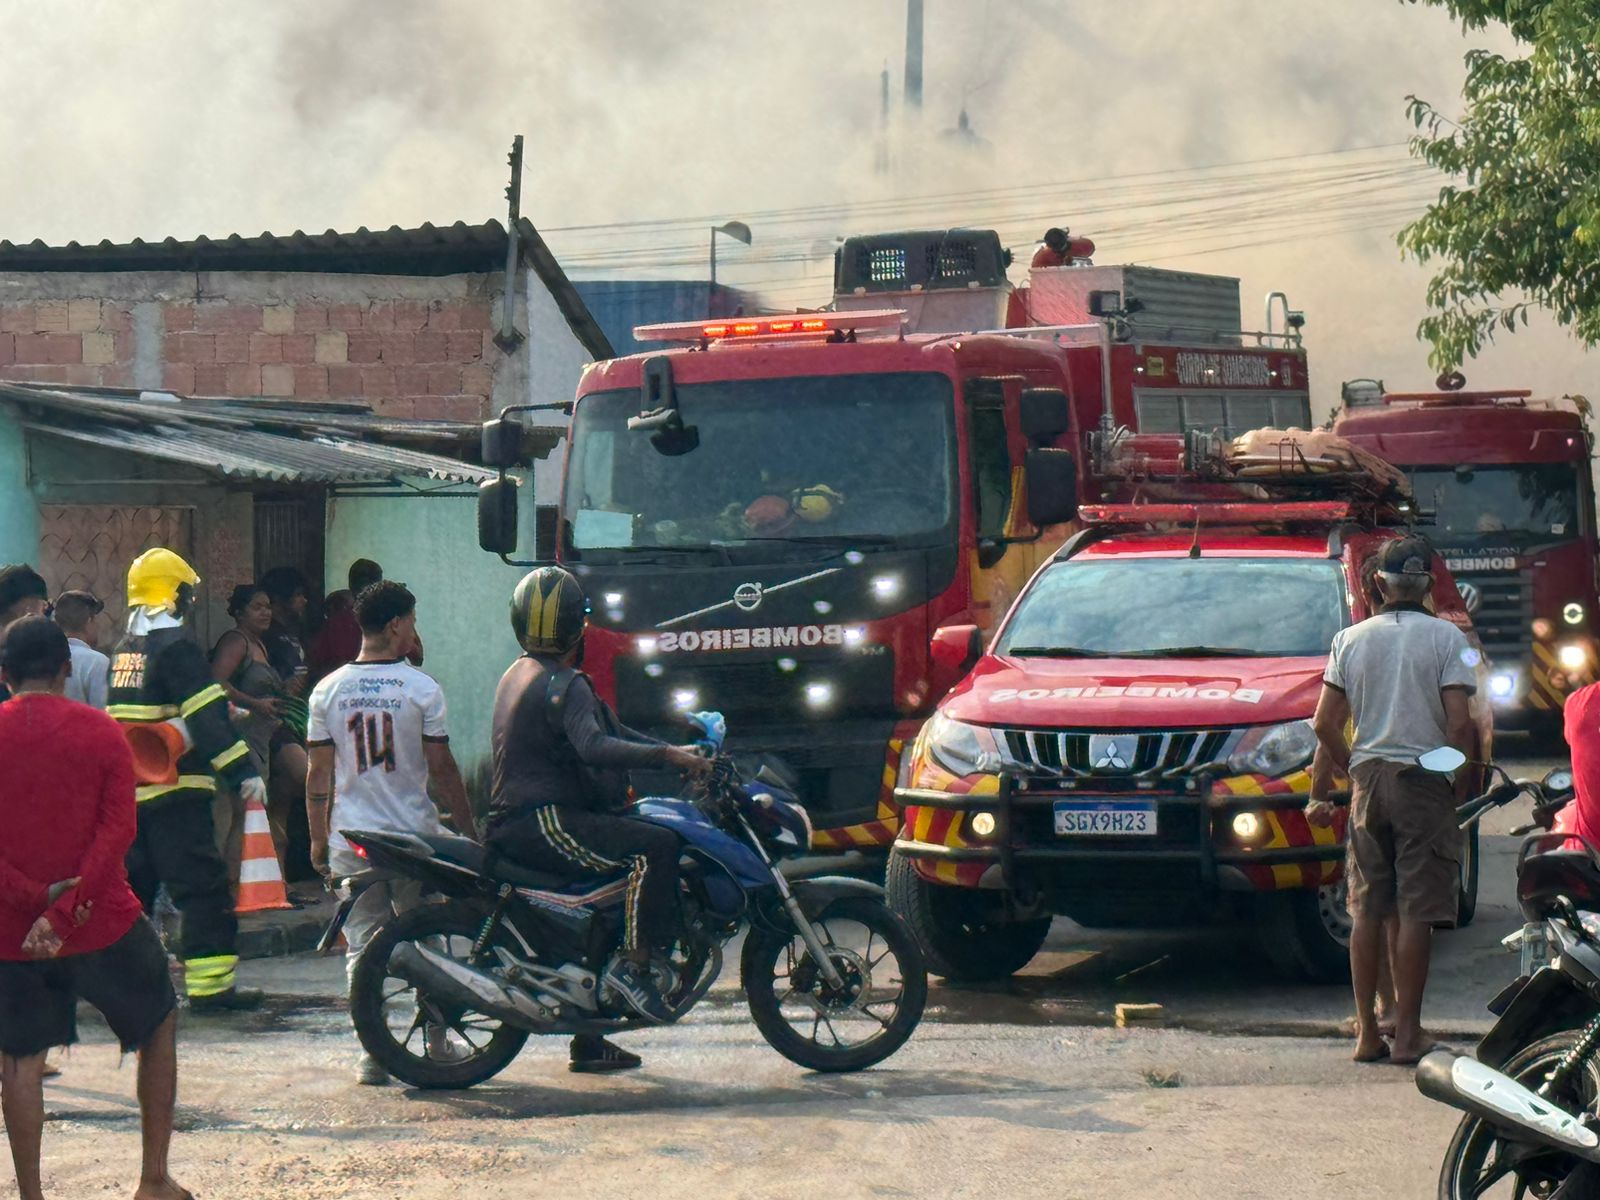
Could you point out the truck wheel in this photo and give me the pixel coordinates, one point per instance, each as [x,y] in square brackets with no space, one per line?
[963,932]
[1306,933]
[1467,896]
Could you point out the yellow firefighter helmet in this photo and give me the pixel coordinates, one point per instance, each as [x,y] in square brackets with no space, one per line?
[817,503]
[157,579]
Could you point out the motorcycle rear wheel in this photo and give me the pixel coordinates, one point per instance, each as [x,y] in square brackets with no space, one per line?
[1476,1165]
[379,1003]
[886,987]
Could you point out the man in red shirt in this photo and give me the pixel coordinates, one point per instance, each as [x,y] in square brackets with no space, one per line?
[70,926]
[1581,720]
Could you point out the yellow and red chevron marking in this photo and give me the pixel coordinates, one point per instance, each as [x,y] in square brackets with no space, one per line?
[881,830]
[1288,828]
[1544,694]
[942,827]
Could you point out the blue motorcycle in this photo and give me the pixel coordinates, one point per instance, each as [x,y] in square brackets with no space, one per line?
[446,994]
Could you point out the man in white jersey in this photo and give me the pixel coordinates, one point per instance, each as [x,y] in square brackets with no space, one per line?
[377,737]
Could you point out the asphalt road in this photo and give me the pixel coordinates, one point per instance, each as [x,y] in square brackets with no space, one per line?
[1021,1089]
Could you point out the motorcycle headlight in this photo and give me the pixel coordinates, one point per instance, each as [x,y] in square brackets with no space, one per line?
[1274,749]
[960,748]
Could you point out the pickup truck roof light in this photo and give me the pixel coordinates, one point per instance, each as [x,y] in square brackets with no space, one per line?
[787,325]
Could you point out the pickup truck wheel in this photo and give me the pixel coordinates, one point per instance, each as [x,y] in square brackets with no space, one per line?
[1307,933]
[1467,896]
[963,932]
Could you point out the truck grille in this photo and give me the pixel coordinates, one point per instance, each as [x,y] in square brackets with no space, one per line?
[1504,616]
[1115,753]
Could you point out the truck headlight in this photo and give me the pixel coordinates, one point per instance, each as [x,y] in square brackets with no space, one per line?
[1572,656]
[1502,684]
[1274,749]
[1572,614]
[960,748]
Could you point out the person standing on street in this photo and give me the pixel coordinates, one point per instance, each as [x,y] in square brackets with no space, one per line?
[70,926]
[23,593]
[377,738]
[158,673]
[76,613]
[1405,678]
[339,640]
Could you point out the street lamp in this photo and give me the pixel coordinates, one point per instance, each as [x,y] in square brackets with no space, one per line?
[739,232]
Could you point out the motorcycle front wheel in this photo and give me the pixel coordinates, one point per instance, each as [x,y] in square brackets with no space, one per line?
[1479,1164]
[418,1038]
[849,1028]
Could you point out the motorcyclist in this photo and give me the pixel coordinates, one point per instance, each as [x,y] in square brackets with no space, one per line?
[560,785]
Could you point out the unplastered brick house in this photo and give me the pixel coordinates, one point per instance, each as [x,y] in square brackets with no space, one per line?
[403,320]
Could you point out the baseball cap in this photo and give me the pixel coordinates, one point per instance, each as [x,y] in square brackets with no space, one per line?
[1406,556]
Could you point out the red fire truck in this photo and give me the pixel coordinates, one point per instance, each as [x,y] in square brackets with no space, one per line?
[775,516]
[1508,480]
[1133,748]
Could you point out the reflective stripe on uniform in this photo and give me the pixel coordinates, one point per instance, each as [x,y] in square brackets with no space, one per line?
[229,756]
[184,783]
[140,713]
[209,976]
[205,696]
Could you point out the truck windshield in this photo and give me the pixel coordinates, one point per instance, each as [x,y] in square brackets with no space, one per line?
[1177,607]
[1537,500]
[818,459]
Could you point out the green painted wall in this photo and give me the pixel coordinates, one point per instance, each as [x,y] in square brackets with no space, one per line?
[19,512]
[431,545]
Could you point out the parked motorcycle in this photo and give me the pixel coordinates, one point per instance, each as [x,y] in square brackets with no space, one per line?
[1532,1091]
[833,979]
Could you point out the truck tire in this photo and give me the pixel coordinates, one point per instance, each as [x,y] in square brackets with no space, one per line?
[963,932]
[1306,933]
[1467,895]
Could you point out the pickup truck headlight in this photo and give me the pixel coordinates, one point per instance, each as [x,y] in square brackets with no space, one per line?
[960,748]
[1274,749]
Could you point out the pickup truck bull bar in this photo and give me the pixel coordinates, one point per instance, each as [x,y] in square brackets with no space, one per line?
[1218,868]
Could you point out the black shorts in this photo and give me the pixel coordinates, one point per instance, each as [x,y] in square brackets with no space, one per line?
[127,981]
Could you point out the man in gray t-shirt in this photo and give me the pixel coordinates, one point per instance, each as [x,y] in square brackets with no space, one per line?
[1403,678]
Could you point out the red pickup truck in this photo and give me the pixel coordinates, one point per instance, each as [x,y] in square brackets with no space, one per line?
[1133,749]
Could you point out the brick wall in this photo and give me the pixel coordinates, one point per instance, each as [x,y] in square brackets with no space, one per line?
[79,342]
[422,358]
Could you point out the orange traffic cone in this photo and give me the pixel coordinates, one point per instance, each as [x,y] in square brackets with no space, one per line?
[156,747]
[260,881]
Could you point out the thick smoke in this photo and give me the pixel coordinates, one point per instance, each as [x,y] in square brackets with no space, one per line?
[182,118]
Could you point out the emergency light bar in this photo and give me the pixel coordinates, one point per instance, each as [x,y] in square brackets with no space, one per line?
[1318,512]
[777,326]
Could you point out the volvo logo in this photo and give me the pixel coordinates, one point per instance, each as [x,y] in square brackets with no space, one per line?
[1470,596]
[1106,754]
[747,596]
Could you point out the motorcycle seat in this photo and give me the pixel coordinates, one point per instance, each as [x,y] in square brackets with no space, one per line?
[478,857]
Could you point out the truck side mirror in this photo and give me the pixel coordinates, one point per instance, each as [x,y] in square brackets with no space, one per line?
[502,443]
[1043,414]
[956,647]
[497,515]
[1052,477]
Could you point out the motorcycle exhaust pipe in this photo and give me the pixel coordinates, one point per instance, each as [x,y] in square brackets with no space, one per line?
[1466,1084]
[458,984]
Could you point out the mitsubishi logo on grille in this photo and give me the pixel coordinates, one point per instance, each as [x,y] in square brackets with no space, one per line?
[1470,596]
[1106,754]
[747,596]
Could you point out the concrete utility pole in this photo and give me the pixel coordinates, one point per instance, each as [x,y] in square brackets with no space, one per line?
[913,56]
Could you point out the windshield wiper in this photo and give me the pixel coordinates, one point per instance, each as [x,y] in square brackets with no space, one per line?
[845,540]
[1199,652]
[716,548]
[1057,652]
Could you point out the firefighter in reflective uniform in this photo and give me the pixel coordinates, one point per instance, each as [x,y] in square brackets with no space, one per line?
[159,674]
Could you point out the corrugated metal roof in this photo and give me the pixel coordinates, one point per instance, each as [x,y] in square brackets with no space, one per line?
[428,250]
[239,441]
[270,457]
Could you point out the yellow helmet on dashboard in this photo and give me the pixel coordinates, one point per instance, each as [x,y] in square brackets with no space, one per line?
[817,503]
[161,579]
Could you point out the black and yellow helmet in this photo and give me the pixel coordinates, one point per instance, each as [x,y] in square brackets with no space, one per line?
[548,611]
